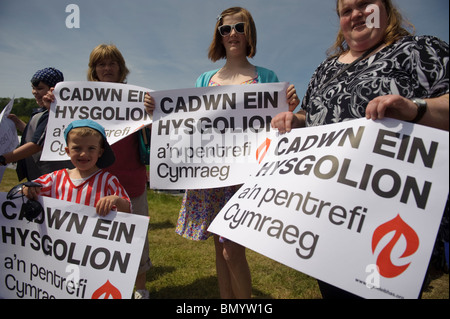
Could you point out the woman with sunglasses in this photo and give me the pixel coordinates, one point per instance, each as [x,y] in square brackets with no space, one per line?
[235,41]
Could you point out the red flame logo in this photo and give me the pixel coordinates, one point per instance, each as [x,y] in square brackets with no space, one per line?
[109,292]
[384,262]
[262,150]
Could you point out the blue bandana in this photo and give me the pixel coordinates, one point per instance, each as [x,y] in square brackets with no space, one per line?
[49,76]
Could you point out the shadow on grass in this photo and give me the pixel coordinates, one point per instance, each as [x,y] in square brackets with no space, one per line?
[202,288]
[161,225]
[157,272]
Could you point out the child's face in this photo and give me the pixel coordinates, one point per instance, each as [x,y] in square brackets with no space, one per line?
[84,151]
[39,91]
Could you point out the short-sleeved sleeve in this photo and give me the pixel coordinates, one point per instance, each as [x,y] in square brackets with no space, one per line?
[413,67]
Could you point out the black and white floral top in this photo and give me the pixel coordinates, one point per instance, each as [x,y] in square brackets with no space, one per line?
[411,67]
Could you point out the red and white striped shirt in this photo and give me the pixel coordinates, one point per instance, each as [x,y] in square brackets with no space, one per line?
[59,185]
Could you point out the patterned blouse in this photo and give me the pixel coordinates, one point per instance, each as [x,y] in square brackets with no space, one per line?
[411,67]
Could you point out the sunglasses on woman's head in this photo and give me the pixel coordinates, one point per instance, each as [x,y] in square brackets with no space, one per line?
[226,29]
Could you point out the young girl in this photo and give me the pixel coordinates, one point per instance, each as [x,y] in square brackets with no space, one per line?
[235,41]
[88,183]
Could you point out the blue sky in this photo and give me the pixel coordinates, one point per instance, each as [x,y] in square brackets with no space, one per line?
[165,42]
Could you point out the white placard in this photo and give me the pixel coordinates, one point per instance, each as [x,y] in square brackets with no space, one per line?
[8,134]
[119,108]
[355,204]
[213,136]
[69,252]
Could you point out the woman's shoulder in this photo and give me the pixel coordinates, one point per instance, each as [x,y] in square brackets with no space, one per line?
[419,41]
[266,75]
[204,79]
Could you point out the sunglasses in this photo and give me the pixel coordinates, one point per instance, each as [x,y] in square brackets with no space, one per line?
[226,29]
[31,209]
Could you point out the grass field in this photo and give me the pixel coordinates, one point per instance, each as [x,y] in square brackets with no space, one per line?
[186,270]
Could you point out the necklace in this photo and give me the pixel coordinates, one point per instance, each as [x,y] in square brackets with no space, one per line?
[362,57]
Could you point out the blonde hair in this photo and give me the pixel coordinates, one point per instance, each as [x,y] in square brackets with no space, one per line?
[102,52]
[217,50]
[84,132]
[397,28]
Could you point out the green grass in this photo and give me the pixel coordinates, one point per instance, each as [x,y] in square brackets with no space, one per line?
[185,269]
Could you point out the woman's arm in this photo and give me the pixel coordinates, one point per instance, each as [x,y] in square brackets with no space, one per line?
[400,108]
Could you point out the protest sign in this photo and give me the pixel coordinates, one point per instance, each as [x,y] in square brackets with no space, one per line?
[355,204]
[8,134]
[211,137]
[119,108]
[69,252]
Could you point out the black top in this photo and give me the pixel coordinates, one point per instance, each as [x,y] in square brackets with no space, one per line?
[413,67]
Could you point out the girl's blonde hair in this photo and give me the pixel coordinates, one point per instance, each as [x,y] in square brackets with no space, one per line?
[217,50]
[397,28]
[102,52]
